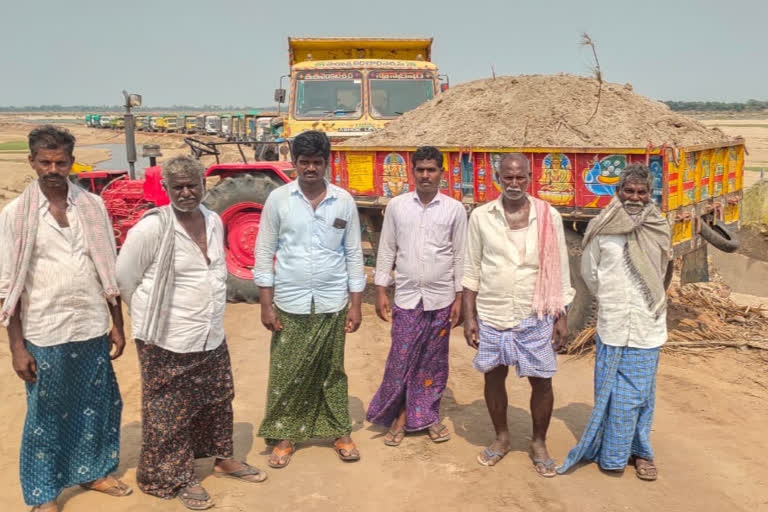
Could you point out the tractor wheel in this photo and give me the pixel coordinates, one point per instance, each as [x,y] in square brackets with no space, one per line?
[583,310]
[239,201]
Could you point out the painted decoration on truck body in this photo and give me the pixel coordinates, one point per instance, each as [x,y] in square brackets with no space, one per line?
[553,178]
[394,175]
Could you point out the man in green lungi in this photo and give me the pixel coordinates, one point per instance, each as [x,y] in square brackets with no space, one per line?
[309,267]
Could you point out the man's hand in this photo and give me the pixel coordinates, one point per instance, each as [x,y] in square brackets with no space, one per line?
[471,332]
[383,309]
[560,332]
[456,316]
[354,318]
[270,318]
[24,364]
[117,340]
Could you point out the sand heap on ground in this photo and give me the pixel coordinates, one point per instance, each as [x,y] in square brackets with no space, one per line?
[541,111]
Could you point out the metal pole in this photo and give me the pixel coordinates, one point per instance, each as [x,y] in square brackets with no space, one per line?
[130,140]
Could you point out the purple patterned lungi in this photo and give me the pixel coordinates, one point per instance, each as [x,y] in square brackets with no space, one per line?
[527,347]
[417,368]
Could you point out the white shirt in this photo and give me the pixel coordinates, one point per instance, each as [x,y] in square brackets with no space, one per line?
[63,299]
[504,282]
[196,313]
[426,244]
[623,316]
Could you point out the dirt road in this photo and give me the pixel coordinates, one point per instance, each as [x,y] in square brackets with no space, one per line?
[709,436]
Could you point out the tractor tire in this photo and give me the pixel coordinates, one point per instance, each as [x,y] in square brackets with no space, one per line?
[228,198]
[583,310]
[719,236]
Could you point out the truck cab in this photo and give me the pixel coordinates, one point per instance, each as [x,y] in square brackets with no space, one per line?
[348,87]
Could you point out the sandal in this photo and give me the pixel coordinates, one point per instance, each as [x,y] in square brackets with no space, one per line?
[280,457]
[544,467]
[396,437]
[350,448]
[645,469]
[188,498]
[108,485]
[439,433]
[241,474]
[490,457]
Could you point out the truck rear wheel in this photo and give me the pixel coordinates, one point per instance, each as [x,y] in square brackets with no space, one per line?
[239,201]
[583,310]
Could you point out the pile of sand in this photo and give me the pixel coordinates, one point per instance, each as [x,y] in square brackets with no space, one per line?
[541,111]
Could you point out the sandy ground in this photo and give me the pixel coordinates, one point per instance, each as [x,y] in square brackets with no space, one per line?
[708,432]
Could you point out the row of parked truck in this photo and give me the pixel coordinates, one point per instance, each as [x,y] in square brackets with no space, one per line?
[251,126]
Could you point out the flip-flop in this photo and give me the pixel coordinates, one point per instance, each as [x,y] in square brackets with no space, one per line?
[490,457]
[435,432]
[240,474]
[646,471]
[544,467]
[397,437]
[186,497]
[109,485]
[282,454]
[346,447]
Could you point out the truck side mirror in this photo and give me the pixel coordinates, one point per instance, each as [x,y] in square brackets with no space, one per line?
[280,95]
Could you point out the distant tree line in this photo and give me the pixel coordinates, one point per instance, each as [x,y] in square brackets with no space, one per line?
[718,106]
[120,108]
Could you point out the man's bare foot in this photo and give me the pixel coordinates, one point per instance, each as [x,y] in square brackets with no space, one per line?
[237,469]
[491,455]
[542,462]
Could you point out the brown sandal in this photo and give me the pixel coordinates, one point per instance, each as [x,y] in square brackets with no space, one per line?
[350,448]
[397,437]
[645,469]
[109,485]
[283,456]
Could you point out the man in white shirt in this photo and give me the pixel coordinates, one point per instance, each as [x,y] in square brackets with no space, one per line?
[423,237]
[627,264]
[58,290]
[172,273]
[516,287]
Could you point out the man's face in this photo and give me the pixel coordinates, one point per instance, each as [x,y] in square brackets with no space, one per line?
[514,178]
[186,191]
[52,166]
[310,169]
[634,196]
[427,174]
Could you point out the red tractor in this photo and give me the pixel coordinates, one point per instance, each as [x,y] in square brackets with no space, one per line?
[238,197]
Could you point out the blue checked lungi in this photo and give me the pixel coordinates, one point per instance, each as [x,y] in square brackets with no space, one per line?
[527,347]
[625,397]
[72,429]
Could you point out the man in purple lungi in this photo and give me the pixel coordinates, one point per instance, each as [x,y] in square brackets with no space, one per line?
[423,237]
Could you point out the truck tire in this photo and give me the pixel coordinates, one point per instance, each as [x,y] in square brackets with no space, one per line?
[719,236]
[239,200]
[583,310]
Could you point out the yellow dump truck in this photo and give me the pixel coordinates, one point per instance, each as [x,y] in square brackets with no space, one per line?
[352,86]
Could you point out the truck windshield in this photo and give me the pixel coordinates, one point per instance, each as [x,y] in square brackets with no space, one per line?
[329,95]
[393,93]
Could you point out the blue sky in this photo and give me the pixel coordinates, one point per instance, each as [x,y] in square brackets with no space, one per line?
[233,52]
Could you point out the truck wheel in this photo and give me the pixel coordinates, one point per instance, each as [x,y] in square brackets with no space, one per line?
[583,310]
[719,236]
[239,201]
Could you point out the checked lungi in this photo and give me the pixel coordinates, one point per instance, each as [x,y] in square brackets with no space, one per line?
[527,347]
[416,372]
[72,429]
[625,397]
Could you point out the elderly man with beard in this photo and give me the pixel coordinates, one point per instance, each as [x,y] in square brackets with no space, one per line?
[172,273]
[627,264]
[516,287]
